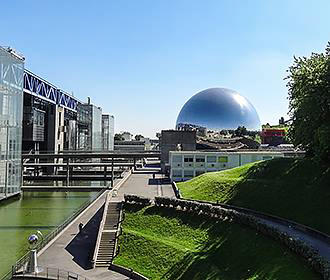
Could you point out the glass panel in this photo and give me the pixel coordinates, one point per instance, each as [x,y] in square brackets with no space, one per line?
[11,115]
[211,159]
[188,173]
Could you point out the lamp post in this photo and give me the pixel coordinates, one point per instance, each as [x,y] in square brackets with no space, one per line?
[33,240]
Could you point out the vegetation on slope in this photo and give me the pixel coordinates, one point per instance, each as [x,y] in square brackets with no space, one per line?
[296,189]
[168,244]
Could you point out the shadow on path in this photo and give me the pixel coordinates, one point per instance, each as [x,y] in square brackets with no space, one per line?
[159,181]
[83,245]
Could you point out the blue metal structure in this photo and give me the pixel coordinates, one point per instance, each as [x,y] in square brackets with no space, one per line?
[37,86]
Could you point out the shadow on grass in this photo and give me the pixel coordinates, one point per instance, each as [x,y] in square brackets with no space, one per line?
[230,252]
[190,219]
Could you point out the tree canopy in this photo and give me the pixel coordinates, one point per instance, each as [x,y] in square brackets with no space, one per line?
[309,103]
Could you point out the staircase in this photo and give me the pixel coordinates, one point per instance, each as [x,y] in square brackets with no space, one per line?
[106,247]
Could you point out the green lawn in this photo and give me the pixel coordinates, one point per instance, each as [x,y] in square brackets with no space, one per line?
[296,189]
[168,244]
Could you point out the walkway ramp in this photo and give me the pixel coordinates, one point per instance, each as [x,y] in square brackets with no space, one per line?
[106,245]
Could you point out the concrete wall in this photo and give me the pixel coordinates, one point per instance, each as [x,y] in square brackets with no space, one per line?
[186,165]
[171,140]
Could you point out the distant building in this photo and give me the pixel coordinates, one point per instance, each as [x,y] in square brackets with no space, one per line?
[273,135]
[185,165]
[173,140]
[108,132]
[132,145]
[55,120]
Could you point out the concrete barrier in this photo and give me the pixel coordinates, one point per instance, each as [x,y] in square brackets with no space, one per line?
[127,272]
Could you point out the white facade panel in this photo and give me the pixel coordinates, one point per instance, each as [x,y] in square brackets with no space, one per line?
[185,164]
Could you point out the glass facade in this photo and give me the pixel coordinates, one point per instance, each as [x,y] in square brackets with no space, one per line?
[96,128]
[107,132]
[11,115]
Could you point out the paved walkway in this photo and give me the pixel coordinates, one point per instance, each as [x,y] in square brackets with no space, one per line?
[72,250]
[142,182]
[322,245]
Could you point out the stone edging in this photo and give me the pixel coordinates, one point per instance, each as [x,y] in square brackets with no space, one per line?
[310,254]
[127,272]
[298,246]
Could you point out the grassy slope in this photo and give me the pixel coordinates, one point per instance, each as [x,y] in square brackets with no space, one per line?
[169,244]
[297,189]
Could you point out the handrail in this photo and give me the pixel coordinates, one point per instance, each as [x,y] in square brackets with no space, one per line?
[99,235]
[119,232]
[51,273]
[20,263]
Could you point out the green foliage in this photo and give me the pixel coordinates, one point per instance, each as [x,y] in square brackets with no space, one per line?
[309,103]
[131,198]
[165,243]
[118,137]
[296,189]
[138,137]
[240,131]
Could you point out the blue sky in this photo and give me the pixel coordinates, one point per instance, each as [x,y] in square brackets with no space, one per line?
[142,60]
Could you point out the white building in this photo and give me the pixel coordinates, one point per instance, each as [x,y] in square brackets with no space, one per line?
[188,164]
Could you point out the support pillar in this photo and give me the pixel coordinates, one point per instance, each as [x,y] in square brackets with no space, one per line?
[112,173]
[68,173]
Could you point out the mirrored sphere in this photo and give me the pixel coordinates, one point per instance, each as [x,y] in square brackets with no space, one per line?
[218,109]
[33,239]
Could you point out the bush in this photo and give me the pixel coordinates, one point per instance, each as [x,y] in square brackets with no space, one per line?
[129,198]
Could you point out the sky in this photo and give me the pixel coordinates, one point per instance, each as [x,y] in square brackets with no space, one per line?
[141,60]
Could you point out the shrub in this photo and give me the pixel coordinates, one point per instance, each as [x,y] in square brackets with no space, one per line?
[129,198]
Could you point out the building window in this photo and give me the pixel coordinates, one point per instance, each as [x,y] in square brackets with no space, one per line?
[211,159]
[200,159]
[188,159]
[223,159]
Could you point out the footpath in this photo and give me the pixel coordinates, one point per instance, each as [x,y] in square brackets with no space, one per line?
[72,250]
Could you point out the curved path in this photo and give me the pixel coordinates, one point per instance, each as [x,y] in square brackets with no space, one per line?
[315,239]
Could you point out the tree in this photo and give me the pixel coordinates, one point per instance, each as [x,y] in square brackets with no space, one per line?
[138,137]
[118,137]
[309,103]
[240,131]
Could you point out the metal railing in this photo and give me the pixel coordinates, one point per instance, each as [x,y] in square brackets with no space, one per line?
[119,232]
[19,266]
[99,235]
[51,273]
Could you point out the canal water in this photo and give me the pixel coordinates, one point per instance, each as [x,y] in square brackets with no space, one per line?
[33,211]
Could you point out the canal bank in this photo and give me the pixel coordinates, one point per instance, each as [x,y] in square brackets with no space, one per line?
[33,211]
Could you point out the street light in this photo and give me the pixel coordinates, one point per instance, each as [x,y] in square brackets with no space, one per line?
[33,240]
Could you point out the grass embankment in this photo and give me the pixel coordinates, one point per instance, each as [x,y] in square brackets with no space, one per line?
[296,189]
[169,244]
